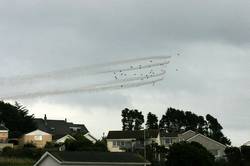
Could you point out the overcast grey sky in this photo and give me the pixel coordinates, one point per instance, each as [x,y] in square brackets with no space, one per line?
[213,38]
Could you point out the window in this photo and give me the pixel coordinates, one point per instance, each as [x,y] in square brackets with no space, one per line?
[118,143]
[114,143]
[38,137]
[168,141]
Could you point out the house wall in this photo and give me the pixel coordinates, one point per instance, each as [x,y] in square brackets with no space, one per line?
[48,161]
[38,143]
[214,147]
[3,145]
[131,144]
[63,139]
[171,141]
[3,137]
[114,148]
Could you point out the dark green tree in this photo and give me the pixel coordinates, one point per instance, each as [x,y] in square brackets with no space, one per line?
[16,119]
[175,120]
[245,153]
[152,121]
[172,121]
[83,144]
[132,119]
[215,130]
[189,154]
[233,156]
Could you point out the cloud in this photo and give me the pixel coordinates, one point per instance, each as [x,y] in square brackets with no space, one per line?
[213,68]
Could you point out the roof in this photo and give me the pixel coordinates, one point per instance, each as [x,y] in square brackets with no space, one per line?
[3,128]
[37,132]
[172,134]
[247,143]
[98,157]
[205,137]
[95,157]
[139,134]
[58,128]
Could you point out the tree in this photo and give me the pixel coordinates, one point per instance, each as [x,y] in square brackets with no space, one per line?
[214,130]
[245,152]
[233,156]
[173,120]
[132,119]
[16,119]
[189,154]
[152,121]
[83,144]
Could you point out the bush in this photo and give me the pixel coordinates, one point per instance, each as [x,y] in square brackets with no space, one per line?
[7,151]
[189,154]
[32,153]
[233,156]
[29,145]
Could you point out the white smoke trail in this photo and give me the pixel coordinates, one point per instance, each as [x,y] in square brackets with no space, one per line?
[99,87]
[115,82]
[87,70]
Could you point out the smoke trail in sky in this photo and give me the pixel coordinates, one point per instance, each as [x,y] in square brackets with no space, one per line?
[106,76]
[100,87]
[86,70]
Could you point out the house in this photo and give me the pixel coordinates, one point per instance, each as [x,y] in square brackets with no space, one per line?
[38,138]
[215,147]
[90,158]
[121,141]
[247,143]
[64,138]
[61,128]
[4,135]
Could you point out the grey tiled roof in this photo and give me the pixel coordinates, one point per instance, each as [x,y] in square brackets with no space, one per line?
[132,134]
[89,156]
[58,128]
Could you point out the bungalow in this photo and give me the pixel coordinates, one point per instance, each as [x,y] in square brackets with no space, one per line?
[38,138]
[215,147]
[4,135]
[90,158]
[61,129]
[121,141]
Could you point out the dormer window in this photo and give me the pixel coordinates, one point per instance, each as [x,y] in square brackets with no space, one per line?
[52,129]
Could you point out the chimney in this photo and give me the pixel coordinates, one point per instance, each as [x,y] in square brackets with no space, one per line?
[45,119]
[2,124]
[65,119]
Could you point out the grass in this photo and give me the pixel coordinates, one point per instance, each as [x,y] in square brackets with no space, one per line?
[12,161]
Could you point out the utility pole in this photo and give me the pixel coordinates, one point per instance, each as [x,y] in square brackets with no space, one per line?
[144,133]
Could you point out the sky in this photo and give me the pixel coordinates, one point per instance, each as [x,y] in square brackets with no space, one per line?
[212,38]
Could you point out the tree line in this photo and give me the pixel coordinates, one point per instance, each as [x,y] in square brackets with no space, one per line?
[175,120]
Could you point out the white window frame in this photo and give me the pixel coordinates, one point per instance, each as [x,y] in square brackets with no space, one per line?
[38,137]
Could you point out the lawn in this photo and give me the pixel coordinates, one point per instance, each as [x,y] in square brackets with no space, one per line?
[12,161]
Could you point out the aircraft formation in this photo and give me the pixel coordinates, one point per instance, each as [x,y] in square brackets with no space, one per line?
[106,76]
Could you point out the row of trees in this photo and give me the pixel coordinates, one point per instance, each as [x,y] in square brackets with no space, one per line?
[175,120]
[237,156]
[14,115]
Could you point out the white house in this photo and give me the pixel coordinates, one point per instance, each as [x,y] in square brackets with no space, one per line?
[120,141]
[38,138]
[90,158]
